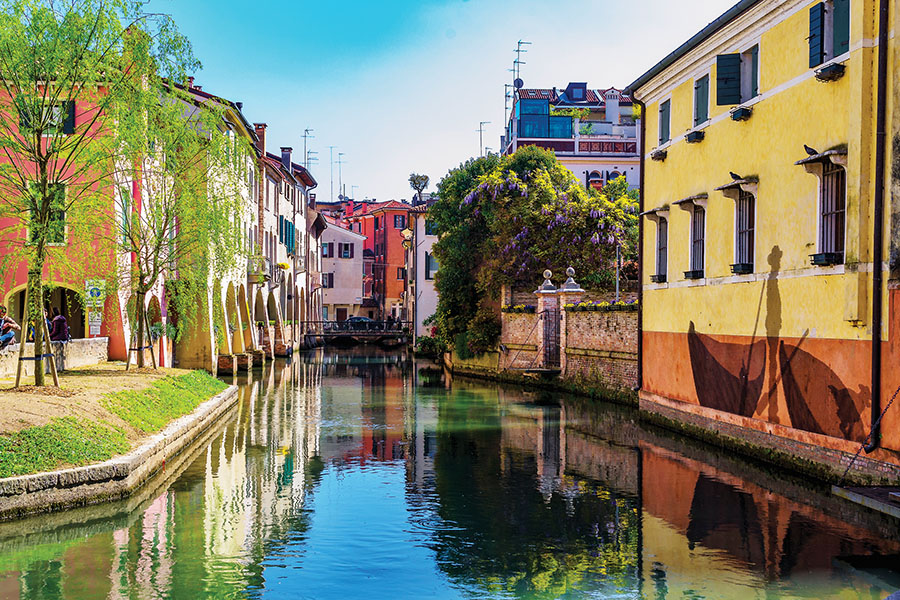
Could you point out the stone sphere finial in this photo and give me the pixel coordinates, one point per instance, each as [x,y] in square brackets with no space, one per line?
[548,273]
[570,272]
[570,285]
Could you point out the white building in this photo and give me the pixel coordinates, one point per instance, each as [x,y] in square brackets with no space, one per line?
[421,298]
[342,272]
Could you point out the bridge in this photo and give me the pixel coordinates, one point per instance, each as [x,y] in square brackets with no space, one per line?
[367,332]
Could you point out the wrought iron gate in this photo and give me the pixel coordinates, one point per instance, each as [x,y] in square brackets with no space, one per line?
[551,338]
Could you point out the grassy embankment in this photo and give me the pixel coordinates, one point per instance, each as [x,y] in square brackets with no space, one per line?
[116,422]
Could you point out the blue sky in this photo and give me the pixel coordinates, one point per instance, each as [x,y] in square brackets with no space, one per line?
[400,86]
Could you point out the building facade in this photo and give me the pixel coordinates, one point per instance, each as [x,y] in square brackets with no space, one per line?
[768,226]
[421,268]
[593,132]
[342,272]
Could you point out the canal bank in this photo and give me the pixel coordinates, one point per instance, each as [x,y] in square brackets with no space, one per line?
[352,473]
[159,408]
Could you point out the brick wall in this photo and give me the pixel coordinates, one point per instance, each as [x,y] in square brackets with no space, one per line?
[600,348]
[519,337]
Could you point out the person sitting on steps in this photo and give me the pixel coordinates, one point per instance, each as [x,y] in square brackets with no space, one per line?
[8,328]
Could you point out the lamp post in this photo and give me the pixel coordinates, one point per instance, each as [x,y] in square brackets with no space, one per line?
[481,125]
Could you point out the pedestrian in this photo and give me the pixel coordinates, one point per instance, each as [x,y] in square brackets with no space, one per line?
[8,328]
[46,320]
[59,328]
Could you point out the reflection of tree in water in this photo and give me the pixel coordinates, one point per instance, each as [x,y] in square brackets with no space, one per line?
[502,535]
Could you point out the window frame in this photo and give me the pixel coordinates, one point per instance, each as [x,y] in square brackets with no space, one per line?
[662,248]
[830,169]
[667,103]
[695,264]
[745,228]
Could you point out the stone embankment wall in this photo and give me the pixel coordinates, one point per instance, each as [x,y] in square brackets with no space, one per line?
[68,355]
[600,348]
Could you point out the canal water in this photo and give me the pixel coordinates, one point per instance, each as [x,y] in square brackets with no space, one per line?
[359,474]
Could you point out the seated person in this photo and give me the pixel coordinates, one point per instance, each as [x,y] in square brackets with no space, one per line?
[59,329]
[8,328]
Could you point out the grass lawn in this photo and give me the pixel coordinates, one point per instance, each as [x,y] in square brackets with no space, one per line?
[97,413]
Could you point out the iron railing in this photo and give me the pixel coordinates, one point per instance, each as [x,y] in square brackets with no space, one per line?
[358,327]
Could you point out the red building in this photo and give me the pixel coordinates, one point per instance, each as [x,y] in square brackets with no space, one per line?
[382,224]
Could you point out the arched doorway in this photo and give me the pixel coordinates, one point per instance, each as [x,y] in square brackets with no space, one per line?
[65,298]
[158,337]
[233,320]
[291,324]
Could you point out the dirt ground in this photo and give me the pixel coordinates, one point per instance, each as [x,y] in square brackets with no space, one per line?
[79,396]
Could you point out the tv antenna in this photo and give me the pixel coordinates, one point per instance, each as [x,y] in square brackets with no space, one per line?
[340,161]
[306,137]
[331,160]
[480,131]
[310,158]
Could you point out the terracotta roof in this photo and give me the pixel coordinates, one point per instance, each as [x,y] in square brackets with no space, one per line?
[390,204]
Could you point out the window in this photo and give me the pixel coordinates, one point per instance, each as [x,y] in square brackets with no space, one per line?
[328,250]
[431,265]
[429,227]
[55,226]
[698,239]
[327,280]
[533,107]
[399,221]
[829,30]
[662,249]
[60,120]
[745,216]
[376,223]
[664,116]
[401,273]
[701,100]
[345,250]
[737,77]
[832,207]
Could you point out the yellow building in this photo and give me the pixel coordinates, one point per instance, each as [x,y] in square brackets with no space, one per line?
[763,177]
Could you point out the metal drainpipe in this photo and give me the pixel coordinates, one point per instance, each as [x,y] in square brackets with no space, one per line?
[878,229]
[640,326]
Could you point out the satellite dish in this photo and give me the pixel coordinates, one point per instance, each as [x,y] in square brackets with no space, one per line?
[518,83]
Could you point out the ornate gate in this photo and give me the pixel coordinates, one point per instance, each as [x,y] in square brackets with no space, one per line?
[551,337]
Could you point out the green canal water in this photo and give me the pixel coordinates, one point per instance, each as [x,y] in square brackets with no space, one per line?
[355,474]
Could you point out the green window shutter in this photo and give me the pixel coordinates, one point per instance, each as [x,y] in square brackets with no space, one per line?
[841,27]
[280,228]
[728,79]
[754,71]
[701,100]
[69,125]
[664,121]
[816,34]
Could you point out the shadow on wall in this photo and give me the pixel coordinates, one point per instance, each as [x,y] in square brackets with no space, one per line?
[730,376]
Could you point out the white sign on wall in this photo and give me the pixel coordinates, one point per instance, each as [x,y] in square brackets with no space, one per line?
[94,298]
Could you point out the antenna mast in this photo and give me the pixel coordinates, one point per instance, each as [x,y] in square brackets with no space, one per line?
[306,136]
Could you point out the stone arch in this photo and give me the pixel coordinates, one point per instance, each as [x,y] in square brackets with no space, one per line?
[233,321]
[157,329]
[289,310]
[244,313]
[63,296]
[220,324]
[276,325]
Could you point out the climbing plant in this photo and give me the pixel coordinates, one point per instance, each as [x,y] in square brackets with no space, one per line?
[504,221]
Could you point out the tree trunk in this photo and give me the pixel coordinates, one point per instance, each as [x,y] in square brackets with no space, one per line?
[141,317]
[34,313]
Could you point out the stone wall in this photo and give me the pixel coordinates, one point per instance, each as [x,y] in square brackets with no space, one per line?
[600,348]
[519,340]
[69,355]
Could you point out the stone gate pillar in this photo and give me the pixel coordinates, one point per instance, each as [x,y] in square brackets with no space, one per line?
[569,293]
[547,308]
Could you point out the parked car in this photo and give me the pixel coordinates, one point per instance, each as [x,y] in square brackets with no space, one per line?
[360,323]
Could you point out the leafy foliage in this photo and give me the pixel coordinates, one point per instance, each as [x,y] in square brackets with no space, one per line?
[505,220]
[78,75]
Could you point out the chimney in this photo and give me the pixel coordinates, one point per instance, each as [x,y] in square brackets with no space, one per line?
[350,206]
[260,129]
[312,201]
[286,158]
[199,88]
[190,82]
[240,105]
[612,106]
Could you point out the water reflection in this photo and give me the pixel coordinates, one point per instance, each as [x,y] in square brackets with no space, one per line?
[358,473]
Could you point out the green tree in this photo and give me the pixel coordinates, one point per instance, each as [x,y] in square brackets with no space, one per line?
[507,220]
[419,183]
[70,68]
[189,222]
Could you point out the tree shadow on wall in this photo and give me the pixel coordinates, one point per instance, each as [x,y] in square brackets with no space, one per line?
[730,376]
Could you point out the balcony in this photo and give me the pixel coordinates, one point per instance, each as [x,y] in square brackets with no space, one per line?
[258,269]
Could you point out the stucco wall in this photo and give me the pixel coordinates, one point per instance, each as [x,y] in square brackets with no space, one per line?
[69,355]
